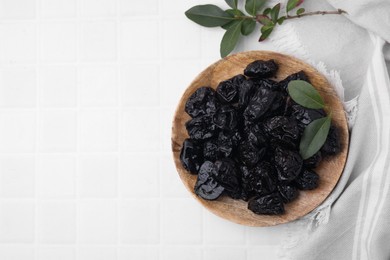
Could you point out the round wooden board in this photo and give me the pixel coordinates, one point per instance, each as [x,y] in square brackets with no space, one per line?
[329,170]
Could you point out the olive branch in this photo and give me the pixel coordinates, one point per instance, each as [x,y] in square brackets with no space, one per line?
[236,22]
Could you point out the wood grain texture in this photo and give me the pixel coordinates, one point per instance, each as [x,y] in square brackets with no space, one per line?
[329,170]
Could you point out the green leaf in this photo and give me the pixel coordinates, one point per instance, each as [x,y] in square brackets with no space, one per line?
[230,39]
[291,4]
[275,13]
[305,94]
[300,11]
[267,11]
[266,30]
[314,137]
[264,20]
[208,15]
[232,3]
[235,12]
[281,20]
[254,6]
[248,26]
[230,24]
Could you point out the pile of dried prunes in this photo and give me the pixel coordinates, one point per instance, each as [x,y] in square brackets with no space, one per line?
[244,140]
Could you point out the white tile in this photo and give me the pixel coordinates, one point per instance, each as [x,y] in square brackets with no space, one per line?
[18,43]
[265,235]
[17,176]
[140,222]
[140,85]
[226,253]
[145,7]
[96,8]
[266,252]
[166,118]
[58,42]
[56,176]
[17,9]
[58,86]
[97,253]
[18,87]
[58,8]
[99,130]
[98,222]
[138,43]
[56,253]
[98,176]
[58,131]
[16,222]
[98,41]
[16,252]
[17,131]
[140,132]
[98,86]
[210,44]
[139,253]
[177,8]
[139,177]
[56,222]
[182,252]
[181,222]
[172,186]
[187,45]
[219,231]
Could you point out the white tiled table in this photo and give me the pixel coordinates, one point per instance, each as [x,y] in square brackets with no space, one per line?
[87,93]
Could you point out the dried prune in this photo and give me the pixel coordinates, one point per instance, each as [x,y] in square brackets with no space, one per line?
[249,154]
[202,102]
[305,116]
[200,128]
[245,93]
[282,130]
[287,192]
[227,91]
[270,204]
[225,145]
[210,150]
[227,175]
[260,103]
[288,164]
[191,156]
[256,135]
[313,161]
[307,180]
[261,69]
[206,186]
[301,75]
[225,118]
[258,181]
[332,144]
[265,83]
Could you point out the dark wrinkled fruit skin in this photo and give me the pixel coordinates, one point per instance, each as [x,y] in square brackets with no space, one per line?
[201,128]
[256,135]
[332,144]
[305,116]
[288,164]
[288,193]
[271,204]
[307,180]
[206,185]
[227,91]
[261,69]
[260,103]
[249,154]
[225,143]
[202,102]
[227,175]
[191,156]
[226,118]
[313,161]
[282,130]
[245,93]
[258,181]
[210,150]
[301,75]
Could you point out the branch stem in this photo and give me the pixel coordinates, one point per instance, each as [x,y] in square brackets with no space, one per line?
[338,11]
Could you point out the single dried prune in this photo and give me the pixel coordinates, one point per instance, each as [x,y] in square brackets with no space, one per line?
[249,154]
[210,150]
[313,161]
[258,181]
[206,185]
[307,180]
[332,144]
[225,144]
[260,103]
[282,130]
[287,192]
[191,156]
[202,102]
[236,137]
[226,118]
[227,176]
[227,90]
[305,116]
[261,69]
[245,93]
[265,83]
[200,128]
[301,75]
[255,135]
[288,164]
[271,204]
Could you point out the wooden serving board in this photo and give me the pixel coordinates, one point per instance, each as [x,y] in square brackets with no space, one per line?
[329,170]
